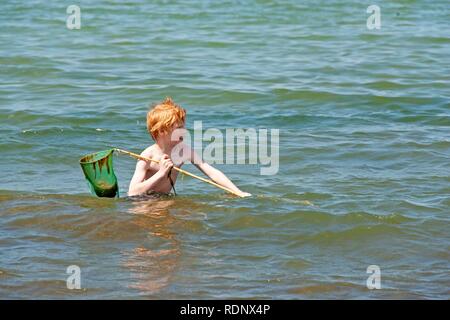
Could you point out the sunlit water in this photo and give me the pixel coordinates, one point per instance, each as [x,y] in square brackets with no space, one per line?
[364,120]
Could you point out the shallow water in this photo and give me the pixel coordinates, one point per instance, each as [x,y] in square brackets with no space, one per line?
[364,119]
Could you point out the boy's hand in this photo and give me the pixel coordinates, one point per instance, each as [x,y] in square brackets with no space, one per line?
[165,165]
[245,194]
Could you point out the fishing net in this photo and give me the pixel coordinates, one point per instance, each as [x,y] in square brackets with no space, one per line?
[98,170]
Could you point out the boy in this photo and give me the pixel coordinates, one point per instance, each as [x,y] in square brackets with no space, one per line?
[162,120]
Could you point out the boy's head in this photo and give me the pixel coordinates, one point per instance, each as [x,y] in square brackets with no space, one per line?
[164,117]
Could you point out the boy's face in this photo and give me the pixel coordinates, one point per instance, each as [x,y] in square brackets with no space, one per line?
[177,133]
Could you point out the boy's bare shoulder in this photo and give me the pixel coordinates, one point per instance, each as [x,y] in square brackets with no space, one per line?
[149,151]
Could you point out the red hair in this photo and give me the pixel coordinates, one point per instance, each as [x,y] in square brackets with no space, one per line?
[162,116]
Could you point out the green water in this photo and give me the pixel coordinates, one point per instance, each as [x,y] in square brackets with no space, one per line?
[364,120]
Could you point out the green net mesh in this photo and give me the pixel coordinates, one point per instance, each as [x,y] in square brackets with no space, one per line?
[98,170]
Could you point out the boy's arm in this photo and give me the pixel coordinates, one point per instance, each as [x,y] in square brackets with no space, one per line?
[138,185]
[215,175]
